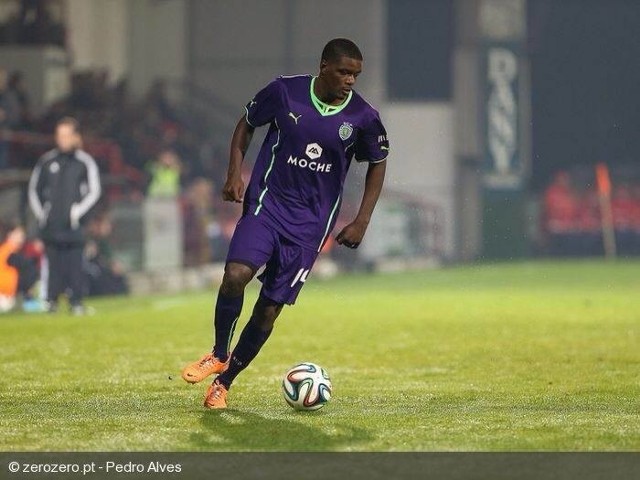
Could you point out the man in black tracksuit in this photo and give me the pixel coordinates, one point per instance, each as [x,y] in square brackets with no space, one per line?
[64,186]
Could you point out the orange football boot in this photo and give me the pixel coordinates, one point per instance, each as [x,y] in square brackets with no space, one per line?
[216,396]
[208,365]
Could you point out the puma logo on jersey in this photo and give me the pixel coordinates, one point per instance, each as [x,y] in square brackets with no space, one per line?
[252,103]
[295,118]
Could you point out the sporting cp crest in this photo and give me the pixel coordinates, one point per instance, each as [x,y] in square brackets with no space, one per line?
[345,130]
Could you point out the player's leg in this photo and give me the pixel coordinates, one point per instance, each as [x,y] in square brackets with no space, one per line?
[229,306]
[55,277]
[227,311]
[75,279]
[251,246]
[282,281]
[253,337]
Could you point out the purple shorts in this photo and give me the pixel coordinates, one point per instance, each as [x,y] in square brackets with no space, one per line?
[255,243]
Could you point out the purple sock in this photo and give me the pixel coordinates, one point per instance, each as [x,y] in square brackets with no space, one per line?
[251,341]
[227,312]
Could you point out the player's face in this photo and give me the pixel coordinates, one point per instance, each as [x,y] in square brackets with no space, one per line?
[67,138]
[340,76]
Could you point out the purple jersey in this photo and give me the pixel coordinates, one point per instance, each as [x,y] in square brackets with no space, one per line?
[299,174]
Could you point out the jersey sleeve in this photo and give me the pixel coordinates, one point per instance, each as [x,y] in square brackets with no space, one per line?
[263,107]
[372,145]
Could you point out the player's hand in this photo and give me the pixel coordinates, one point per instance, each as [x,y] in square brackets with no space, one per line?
[351,235]
[233,190]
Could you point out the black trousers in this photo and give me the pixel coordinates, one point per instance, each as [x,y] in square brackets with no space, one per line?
[65,272]
[27,272]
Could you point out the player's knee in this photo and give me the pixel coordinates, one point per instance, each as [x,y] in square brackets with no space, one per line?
[235,279]
[266,312]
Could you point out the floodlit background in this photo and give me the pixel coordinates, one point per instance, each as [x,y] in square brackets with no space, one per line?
[498,112]
[514,145]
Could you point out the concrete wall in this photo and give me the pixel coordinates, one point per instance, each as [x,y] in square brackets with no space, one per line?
[45,69]
[239,46]
[98,35]
[138,39]
[422,158]
[468,129]
[158,42]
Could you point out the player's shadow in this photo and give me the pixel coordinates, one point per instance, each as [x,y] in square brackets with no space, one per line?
[241,431]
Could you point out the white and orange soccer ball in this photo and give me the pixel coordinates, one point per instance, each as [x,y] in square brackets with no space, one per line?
[307,386]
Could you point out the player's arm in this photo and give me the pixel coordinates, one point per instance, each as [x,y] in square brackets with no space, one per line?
[352,234]
[36,186]
[233,190]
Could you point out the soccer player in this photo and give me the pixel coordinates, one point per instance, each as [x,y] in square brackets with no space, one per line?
[317,124]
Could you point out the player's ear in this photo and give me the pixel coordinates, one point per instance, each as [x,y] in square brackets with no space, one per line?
[323,65]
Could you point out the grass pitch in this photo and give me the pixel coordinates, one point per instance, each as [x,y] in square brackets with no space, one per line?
[527,356]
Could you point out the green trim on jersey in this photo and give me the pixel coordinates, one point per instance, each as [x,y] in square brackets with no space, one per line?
[326,230]
[324,108]
[246,117]
[266,175]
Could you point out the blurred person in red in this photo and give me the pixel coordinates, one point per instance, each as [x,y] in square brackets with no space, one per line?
[105,275]
[623,208]
[589,238]
[18,271]
[561,208]
[197,216]
[635,219]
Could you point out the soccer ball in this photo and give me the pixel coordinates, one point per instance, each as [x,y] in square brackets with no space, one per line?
[307,386]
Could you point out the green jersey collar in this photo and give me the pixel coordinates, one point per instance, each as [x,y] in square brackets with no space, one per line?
[324,108]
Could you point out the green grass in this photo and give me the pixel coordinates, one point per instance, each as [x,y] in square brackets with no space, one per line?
[526,356]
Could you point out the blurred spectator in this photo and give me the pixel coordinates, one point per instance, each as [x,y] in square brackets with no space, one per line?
[141,130]
[635,218]
[573,218]
[157,99]
[18,272]
[588,231]
[11,243]
[196,218]
[165,175]
[34,24]
[625,207]
[561,207]
[19,89]
[9,116]
[33,251]
[105,275]
[64,187]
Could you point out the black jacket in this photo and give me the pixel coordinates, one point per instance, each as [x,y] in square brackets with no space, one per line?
[62,189]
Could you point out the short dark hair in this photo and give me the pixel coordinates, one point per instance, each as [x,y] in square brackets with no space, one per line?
[340,47]
[72,122]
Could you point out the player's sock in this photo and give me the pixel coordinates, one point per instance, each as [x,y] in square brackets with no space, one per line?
[251,341]
[227,312]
